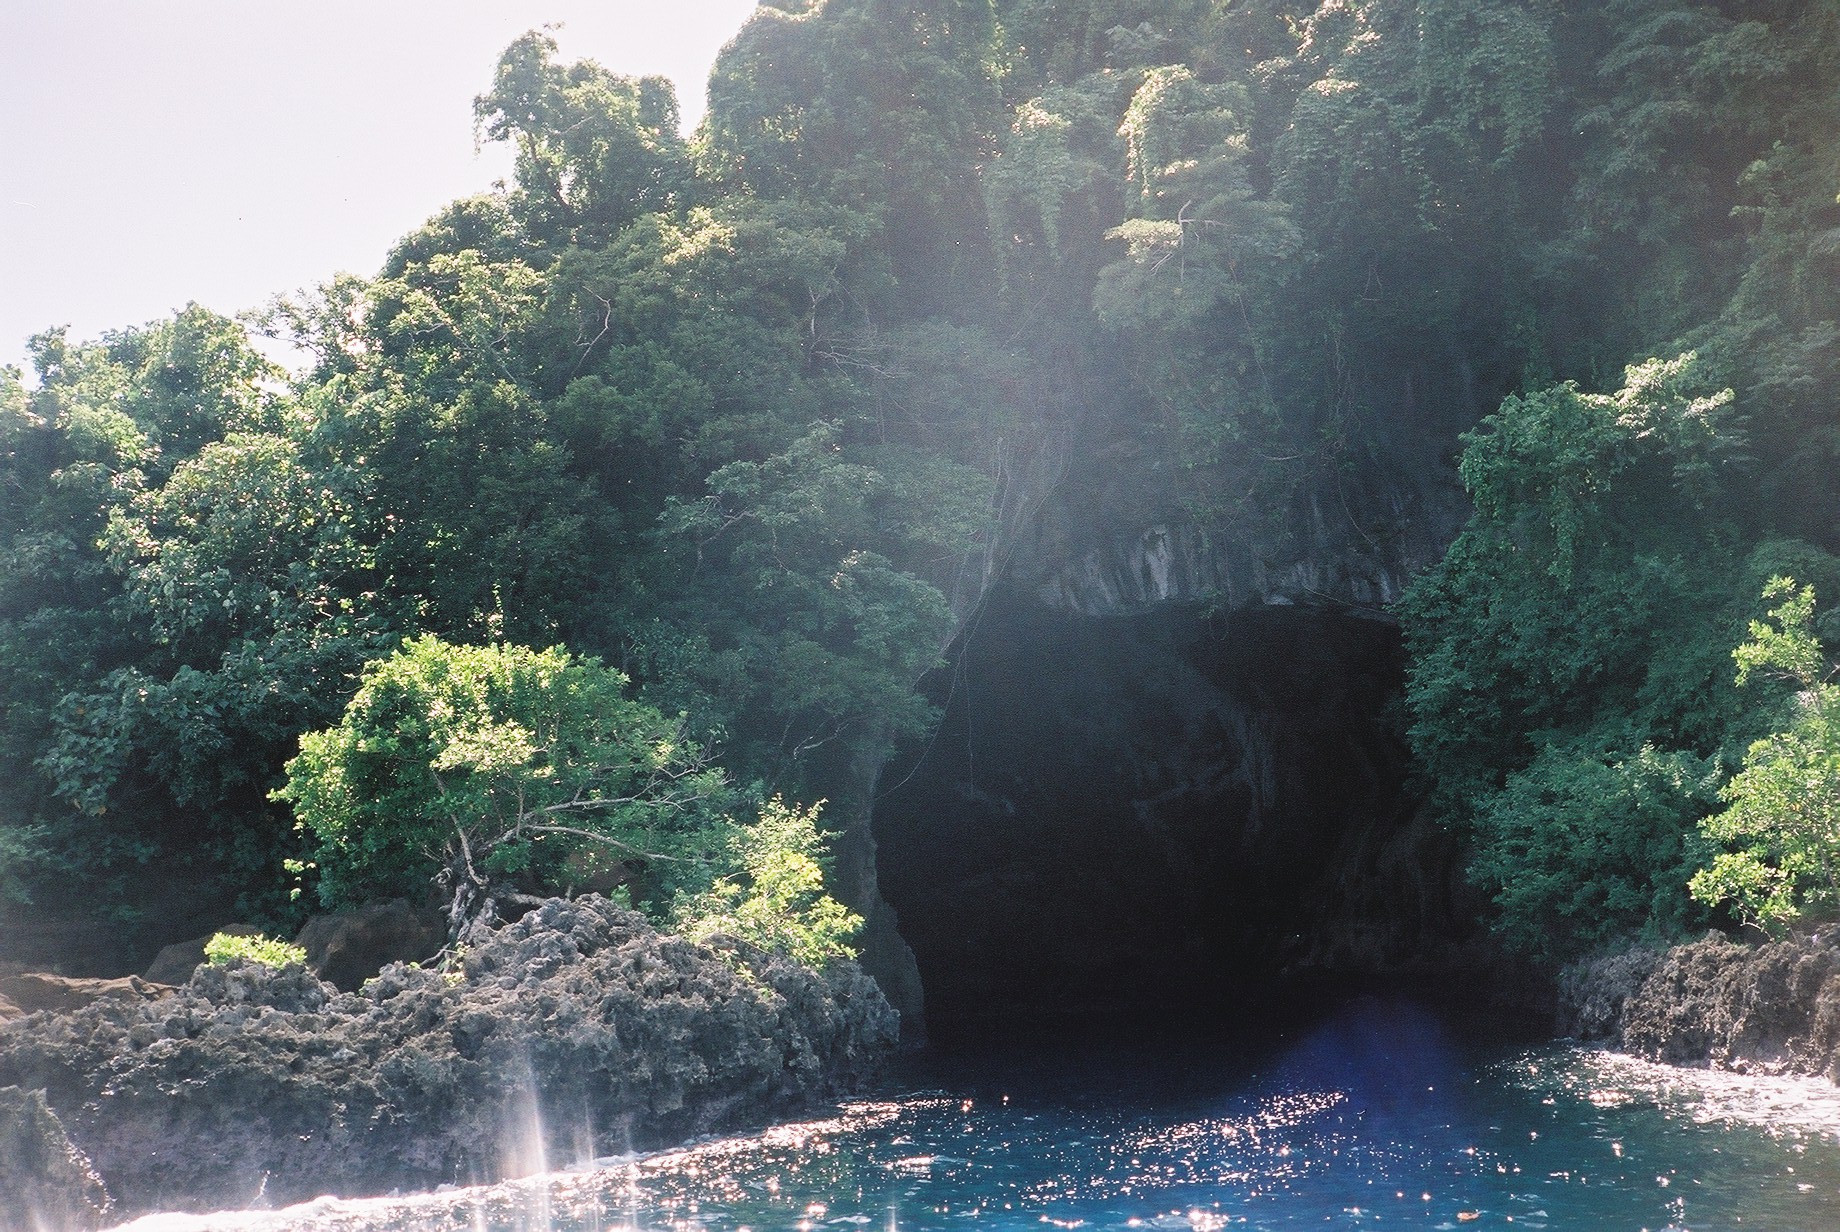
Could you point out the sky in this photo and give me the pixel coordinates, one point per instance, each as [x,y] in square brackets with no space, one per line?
[158,152]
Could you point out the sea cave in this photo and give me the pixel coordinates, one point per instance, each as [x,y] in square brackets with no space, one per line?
[1174,809]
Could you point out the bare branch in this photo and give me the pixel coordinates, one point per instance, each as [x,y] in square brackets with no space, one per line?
[606,324]
[610,841]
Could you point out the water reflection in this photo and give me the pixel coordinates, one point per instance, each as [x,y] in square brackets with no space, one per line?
[1380,1114]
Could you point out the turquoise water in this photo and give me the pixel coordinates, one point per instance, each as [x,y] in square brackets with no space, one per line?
[1378,1114]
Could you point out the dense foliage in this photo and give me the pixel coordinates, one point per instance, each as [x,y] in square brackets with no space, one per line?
[1570,679]
[483,767]
[1782,818]
[503,775]
[226,948]
[750,414]
[767,888]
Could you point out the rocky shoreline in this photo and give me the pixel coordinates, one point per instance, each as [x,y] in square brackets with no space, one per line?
[580,1032]
[1772,1008]
[577,1031]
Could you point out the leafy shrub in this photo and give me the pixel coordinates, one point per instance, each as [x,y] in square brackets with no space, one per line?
[1569,680]
[487,768]
[1781,825]
[504,773]
[1588,844]
[1588,595]
[225,948]
[776,899]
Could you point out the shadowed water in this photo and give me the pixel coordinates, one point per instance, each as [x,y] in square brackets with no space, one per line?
[1379,1114]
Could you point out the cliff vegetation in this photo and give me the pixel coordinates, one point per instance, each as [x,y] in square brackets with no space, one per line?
[726,429]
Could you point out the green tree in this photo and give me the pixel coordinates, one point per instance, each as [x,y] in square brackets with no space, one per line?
[594,150]
[1782,817]
[884,108]
[1568,685]
[1593,583]
[740,413]
[499,771]
[1588,845]
[109,424]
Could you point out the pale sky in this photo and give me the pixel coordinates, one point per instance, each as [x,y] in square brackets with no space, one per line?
[154,152]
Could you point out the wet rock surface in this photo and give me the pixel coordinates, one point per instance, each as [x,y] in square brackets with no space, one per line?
[577,1031]
[34,992]
[45,1182]
[1772,1008]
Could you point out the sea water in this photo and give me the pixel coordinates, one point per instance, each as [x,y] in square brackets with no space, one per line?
[1377,1113]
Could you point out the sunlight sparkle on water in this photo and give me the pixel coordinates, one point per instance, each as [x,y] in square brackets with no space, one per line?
[1780,1105]
[1380,1117]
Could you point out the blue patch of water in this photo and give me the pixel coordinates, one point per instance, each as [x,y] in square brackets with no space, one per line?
[1381,1114]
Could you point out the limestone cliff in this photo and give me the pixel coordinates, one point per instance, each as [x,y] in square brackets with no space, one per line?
[1168,756]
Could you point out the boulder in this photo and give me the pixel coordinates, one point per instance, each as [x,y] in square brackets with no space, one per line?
[45,1182]
[36,991]
[348,947]
[175,963]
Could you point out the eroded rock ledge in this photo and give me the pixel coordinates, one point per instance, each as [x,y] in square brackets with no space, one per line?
[1771,1008]
[577,1031]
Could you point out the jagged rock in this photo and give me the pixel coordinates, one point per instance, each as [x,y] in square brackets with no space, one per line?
[175,963]
[348,947]
[1592,995]
[1771,1008]
[45,1182]
[252,1081]
[34,991]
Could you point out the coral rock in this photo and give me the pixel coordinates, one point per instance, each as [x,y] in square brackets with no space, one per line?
[252,1082]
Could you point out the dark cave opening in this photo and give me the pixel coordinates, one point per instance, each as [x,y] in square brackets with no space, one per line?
[1168,812]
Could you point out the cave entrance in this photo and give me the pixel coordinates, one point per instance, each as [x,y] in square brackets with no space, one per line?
[1167,811]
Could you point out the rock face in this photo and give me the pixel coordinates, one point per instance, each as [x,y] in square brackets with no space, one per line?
[1174,561]
[45,1182]
[36,991]
[1771,1008]
[1093,543]
[175,963]
[346,948]
[577,1031]
[1167,766]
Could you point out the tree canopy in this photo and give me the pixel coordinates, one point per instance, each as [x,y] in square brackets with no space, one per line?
[481,768]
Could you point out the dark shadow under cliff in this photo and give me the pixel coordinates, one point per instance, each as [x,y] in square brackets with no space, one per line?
[1163,813]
